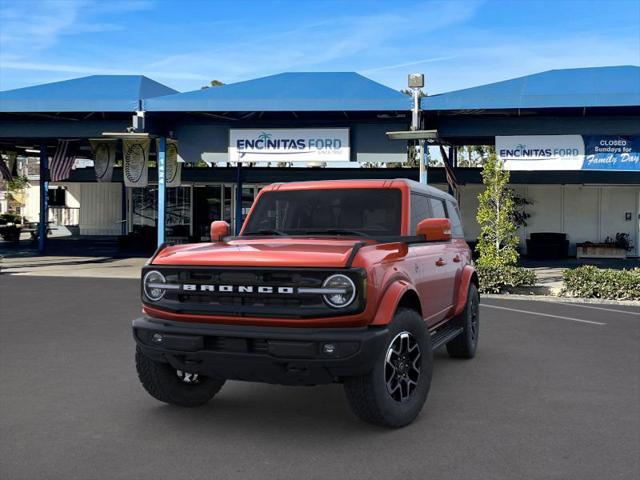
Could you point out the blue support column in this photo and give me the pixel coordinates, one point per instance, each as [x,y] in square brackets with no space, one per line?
[162,190]
[44,199]
[238,198]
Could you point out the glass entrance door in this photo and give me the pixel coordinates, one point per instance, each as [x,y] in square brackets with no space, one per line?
[210,203]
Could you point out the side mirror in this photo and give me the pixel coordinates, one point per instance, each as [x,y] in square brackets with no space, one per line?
[435,229]
[219,230]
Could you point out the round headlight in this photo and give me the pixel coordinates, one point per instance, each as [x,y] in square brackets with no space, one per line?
[340,290]
[152,284]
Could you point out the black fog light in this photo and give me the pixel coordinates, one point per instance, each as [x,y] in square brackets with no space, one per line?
[329,348]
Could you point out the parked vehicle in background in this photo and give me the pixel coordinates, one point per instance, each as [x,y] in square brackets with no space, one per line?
[355,282]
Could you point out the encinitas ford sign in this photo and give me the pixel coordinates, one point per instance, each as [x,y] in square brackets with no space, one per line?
[289,145]
[541,152]
[569,152]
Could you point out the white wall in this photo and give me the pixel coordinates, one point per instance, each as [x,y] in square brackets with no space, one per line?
[100,208]
[583,212]
[32,202]
[614,203]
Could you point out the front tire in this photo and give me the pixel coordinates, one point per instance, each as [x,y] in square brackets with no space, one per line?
[465,344]
[172,386]
[393,393]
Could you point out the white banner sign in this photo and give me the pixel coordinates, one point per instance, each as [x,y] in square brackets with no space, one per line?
[289,145]
[136,162]
[541,152]
[104,157]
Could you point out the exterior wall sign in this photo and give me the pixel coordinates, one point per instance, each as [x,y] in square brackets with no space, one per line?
[541,152]
[569,152]
[609,152]
[289,145]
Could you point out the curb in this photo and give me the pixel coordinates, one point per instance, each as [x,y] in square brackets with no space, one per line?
[555,299]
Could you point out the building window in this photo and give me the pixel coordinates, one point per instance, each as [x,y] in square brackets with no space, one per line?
[144,210]
[57,197]
[144,207]
[178,218]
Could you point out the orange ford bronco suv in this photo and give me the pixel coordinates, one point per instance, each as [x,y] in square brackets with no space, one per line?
[351,281]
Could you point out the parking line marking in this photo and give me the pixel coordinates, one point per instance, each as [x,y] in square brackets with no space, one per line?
[542,314]
[595,308]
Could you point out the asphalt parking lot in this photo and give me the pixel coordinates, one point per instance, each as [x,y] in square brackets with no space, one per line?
[554,393]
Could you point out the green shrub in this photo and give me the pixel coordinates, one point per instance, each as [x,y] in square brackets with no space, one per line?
[495,278]
[592,282]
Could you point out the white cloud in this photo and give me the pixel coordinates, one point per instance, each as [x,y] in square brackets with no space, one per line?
[499,57]
[408,64]
[31,27]
[435,37]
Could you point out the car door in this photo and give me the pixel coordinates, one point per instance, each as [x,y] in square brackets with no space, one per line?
[428,266]
[461,253]
[448,260]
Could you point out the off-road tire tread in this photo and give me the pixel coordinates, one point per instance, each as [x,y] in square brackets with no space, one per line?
[361,399]
[361,395]
[459,347]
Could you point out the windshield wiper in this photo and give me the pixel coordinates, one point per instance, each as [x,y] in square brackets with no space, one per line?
[336,231]
[266,232]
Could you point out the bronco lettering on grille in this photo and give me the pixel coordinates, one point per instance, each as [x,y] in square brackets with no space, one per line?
[192,287]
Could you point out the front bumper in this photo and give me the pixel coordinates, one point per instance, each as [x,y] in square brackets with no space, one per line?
[282,355]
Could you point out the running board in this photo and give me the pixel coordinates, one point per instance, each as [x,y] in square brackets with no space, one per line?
[444,335]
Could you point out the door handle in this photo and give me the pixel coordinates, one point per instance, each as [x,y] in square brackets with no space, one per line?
[440,262]
[457,259]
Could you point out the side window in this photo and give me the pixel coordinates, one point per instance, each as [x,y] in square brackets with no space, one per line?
[437,207]
[419,210]
[456,223]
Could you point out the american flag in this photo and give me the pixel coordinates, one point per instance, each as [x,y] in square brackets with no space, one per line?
[4,170]
[62,160]
[451,176]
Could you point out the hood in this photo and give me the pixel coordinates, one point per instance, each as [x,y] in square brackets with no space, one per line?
[263,252]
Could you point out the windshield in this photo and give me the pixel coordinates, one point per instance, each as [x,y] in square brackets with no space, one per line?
[359,212]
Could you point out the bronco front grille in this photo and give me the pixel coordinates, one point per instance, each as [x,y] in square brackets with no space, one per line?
[246,292]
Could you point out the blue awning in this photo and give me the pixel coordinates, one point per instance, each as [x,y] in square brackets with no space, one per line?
[96,93]
[577,87]
[288,92]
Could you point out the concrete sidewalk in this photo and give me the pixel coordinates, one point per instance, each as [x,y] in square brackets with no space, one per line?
[66,266]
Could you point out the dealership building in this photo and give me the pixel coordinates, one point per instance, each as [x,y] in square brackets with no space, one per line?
[571,139]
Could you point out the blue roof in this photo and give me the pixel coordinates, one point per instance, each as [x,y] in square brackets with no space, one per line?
[577,87]
[96,93]
[298,92]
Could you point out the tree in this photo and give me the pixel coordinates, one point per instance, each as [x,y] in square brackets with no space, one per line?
[213,83]
[15,194]
[498,240]
[474,155]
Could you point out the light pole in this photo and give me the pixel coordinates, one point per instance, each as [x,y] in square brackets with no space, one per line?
[416,83]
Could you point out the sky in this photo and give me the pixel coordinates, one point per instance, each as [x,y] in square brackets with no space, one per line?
[185,44]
